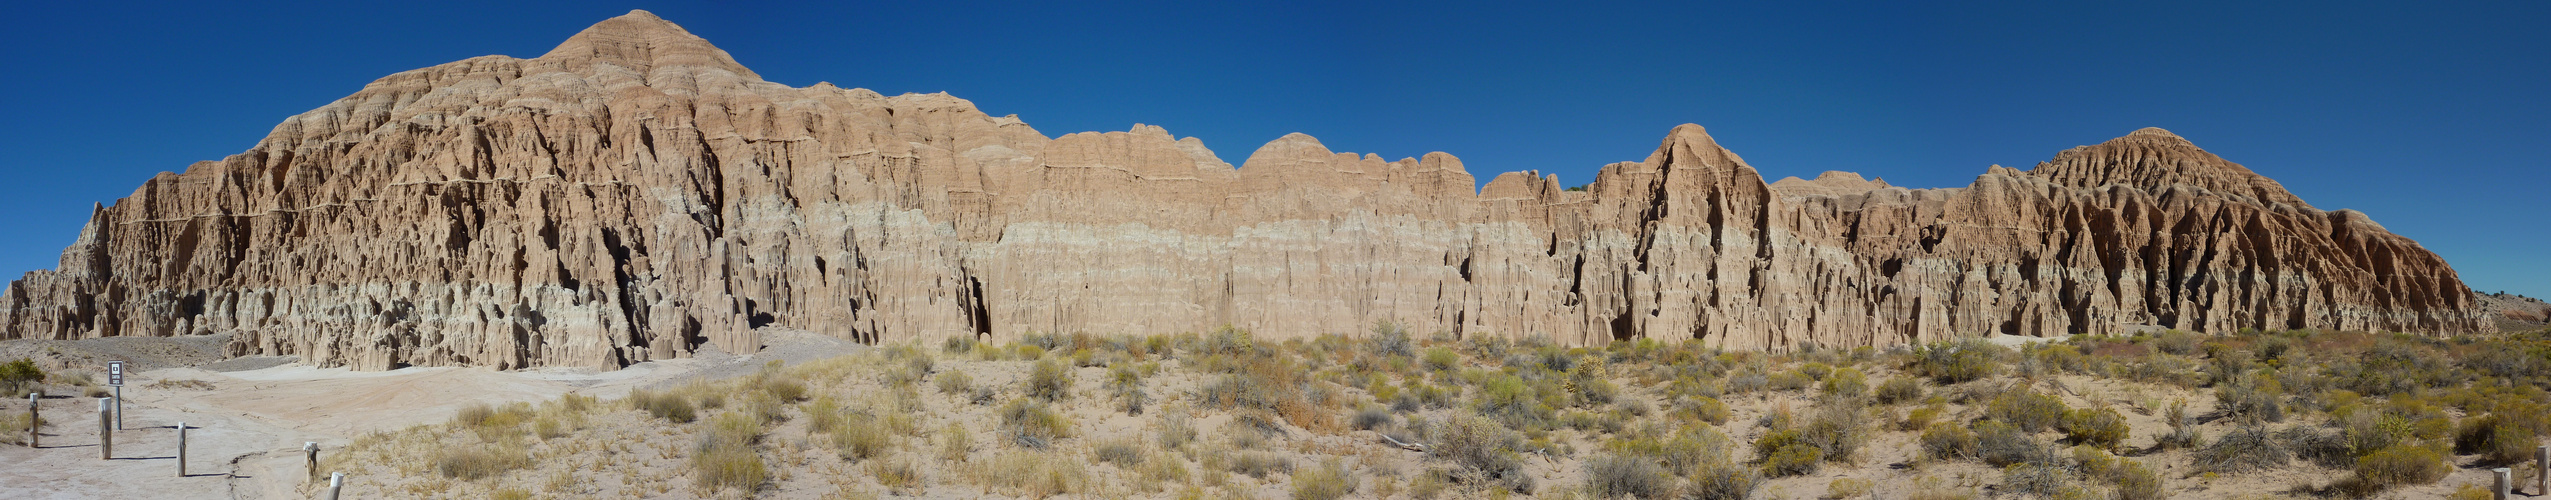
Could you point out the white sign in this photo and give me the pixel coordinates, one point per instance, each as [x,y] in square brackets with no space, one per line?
[115,373]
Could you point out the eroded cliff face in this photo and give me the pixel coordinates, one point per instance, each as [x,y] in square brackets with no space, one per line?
[635,194]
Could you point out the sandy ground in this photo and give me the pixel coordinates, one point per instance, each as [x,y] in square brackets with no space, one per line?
[247,425]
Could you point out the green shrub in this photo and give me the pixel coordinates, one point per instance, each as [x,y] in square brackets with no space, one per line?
[2002,444]
[1950,363]
[671,407]
[1441,359]
[1789,380]
[2137,482]
[1723,481]
[1797,459]
[1484,450]
[1030,424]
[2177,342]
[1705,409]
[1614,476]
[1948,441]
[1846,383]
[2026,409]
[2396,466]
[954,382]
[1126,384]
[17,378]
[2497,439]
[2035,479]
[1050,381]
[1900,390]
[2102,428]
[1329,481]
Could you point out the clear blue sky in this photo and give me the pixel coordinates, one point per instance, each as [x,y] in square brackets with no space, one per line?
[2431,118]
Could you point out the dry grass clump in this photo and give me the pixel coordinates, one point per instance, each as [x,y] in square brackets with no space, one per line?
[1613,476]
[1484,450]
[477,462]
[1033,474]
[1049,381]
[1030,423]
[726,458]
[1330,481]
[2245,449]
[671,407]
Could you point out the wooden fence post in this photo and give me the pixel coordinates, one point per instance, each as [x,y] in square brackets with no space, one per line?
[105,429]
[181,449]
[35,418]
[336,483]
[310,458]
[2542,470]
[2499,492]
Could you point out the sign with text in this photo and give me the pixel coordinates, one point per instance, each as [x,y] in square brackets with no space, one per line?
[115,373]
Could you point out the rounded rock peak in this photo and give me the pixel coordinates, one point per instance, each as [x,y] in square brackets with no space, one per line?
[2153,132]
[641,41]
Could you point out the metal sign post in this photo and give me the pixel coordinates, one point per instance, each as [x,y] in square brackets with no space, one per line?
[115,378]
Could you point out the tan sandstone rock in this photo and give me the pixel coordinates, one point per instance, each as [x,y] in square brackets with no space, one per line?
[636,193]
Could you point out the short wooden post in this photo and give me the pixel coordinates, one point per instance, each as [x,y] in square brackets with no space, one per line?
[2500,491]
[2542,470]
[105,429]
[35,419]
[310,458]
[336,483]
[181,449]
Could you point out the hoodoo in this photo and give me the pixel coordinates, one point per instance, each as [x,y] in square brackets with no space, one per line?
[636,194]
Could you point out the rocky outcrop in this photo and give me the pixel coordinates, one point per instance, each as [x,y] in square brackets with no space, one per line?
[636,194]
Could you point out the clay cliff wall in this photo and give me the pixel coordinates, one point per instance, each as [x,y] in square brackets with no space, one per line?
[636,194]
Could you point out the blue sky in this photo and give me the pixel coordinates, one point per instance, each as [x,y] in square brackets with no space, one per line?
[2428,117]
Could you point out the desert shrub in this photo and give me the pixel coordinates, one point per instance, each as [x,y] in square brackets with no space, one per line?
[1390,339]
[1789,380]
[1614,476]
[1371,417]
[1484,450]
[1837,431]
[17,378]
[1846,383]
[1028,423]
[954,382]
[2002,444]
[1948,441]
[2244,449]
[2396,466]
[1176,430]
[1259,464]
[2177,342]
[2181,435]
[2251,399]
[783,388]
[1126,384]
[1511,401]
[2102,428]
[1705,409]
[1950,363]
[1723,481]
[860,436]
[2136,482]
[473,463]
[1848,488]
[1035,474]
[1126,454]
[2029,410]
[1049,381]
[1921,418]
[1329,481]
[1441,359]
[1900,390]
[957,345]
[1692,450]
[2327,449]
[2035,479]
[1785,455]
[898,475]
[2496,438]
[671,407]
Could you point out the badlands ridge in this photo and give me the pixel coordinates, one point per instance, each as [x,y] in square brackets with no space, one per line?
[635,193]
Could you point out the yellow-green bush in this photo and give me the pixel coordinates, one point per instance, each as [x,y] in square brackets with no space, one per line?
[2102,428]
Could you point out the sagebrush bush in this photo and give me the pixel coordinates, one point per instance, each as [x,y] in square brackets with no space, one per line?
[2029,410]
[1899,390]
[1028,423]
[1484,450]
[2244,449]
[1125,453]
[1614,476]
[1330,481]
[1723,481]
[1050,381]
[2396,466]
[859,436]
[1846,383]
[2496,438]
[954,382]
[1962,361]
[2002,444]
[2102,428]
[1948,441]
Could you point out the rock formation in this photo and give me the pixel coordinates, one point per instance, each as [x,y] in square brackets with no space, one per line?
[636,193]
